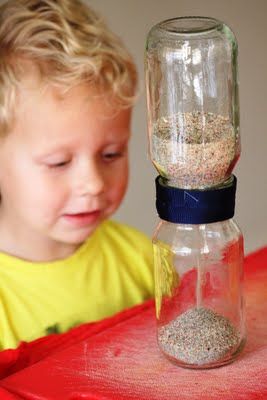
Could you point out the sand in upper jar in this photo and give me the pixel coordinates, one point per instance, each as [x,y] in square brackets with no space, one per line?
[195,150]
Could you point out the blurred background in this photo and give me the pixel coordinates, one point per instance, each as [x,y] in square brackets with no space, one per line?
[132,20]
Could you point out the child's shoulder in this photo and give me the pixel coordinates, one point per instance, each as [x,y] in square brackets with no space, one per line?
[124,240]
[131,251]
[124,233]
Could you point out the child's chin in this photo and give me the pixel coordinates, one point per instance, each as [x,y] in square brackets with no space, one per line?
[80,236]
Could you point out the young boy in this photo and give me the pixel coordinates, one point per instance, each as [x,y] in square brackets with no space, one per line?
[67,85]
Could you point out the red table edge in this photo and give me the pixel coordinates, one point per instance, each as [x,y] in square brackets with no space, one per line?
[5,395]
[13,360]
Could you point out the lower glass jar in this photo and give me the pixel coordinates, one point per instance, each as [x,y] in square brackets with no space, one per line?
[198,289]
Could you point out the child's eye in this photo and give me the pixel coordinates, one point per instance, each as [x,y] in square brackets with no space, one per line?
[111,156]
[59,164]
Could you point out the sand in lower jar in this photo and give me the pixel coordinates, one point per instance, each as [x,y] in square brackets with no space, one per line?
[198,336]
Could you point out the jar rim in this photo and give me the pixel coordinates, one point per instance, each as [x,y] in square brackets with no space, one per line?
[197,24]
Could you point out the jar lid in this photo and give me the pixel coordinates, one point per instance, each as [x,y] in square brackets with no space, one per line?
[182,206]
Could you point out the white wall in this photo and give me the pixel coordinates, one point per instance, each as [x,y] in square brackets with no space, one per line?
[132,21]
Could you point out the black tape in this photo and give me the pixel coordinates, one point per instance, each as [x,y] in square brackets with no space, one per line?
[182,206]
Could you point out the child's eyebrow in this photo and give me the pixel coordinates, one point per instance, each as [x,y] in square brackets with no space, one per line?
[51,152]
[115,135]
[118,140]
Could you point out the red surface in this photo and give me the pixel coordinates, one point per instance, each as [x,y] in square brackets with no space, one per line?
[5,395]
[119,359]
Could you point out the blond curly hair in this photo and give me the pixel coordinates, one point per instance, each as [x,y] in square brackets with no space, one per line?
[68,43]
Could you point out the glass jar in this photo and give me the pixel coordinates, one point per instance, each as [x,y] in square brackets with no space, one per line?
[198,285]
[192,100]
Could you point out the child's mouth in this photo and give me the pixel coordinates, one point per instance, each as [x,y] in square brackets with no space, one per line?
[82,219]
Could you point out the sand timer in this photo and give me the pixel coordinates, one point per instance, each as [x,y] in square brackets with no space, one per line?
[193,124]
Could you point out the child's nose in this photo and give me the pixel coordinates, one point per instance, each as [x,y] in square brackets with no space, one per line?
[91,181]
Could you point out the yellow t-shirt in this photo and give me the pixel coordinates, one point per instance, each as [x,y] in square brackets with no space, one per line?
[111,271]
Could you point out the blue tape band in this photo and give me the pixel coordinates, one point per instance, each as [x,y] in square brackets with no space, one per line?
[182,206]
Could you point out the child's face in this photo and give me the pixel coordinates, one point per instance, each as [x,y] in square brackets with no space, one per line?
[63,169]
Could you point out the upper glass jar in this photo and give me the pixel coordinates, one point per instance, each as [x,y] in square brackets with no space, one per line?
[192,99]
